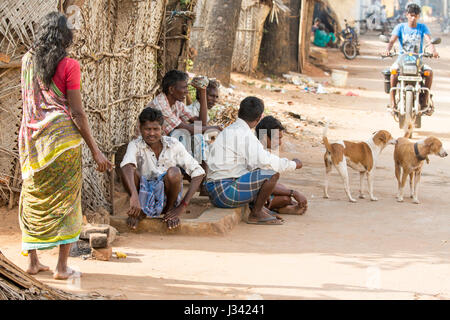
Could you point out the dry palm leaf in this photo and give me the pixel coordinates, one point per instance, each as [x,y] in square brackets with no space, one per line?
[278,7]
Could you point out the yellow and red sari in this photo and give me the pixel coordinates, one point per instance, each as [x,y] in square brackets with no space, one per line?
[50,159]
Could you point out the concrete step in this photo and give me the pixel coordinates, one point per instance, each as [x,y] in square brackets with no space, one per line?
[213,221]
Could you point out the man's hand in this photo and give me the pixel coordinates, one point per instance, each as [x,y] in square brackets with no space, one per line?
[301,199]
[298,163]
[135,206]
[386,53]
[435,53]
[172,216]
[212,128]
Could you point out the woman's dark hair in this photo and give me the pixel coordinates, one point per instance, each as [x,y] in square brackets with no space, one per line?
[413,8]
[171,78]
[268,124]
[151,114]
[50,44]
[251,108]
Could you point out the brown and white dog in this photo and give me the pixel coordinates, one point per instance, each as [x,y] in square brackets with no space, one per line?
[361,156]
[409,158]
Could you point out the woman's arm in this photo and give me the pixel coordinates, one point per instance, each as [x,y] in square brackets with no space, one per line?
[80,119]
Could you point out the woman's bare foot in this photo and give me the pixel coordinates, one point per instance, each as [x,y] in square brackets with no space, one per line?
[66,274]
[36,268]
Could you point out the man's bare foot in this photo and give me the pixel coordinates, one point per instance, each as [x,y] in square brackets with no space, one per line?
[292,209]
[35,269]
[66,274]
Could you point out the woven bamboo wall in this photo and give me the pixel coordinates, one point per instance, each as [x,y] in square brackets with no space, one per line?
[117,47]
[119,76]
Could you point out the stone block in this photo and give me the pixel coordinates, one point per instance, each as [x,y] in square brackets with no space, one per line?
[103,254]
[98,240]
[88,229]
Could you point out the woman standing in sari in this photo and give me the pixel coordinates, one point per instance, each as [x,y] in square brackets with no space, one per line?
[53,127]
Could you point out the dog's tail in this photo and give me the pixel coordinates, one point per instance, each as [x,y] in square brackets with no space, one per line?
[325,139]
[408,133]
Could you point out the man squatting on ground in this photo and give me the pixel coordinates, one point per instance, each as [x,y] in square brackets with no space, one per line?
[283,200]
[241,171]
[152,175]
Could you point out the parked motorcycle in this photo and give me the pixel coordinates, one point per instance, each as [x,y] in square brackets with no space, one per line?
[350,43]
[410,90]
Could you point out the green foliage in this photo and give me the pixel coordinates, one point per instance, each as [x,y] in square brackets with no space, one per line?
[189,64]
[185,2]
[192,93]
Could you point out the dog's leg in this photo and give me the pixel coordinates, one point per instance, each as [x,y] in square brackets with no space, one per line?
[370,183]
[342,169]
[328,168]
[417,175]
[398,175]
[411,184]
[361,183]
[405,175]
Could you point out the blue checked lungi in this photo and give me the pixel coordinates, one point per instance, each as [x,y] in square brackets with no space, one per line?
[152,197]
[237,192]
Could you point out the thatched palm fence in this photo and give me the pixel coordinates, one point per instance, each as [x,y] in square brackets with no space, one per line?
[120,45]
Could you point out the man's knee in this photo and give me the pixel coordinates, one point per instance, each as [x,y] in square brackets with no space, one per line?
[275,176]
[174,175]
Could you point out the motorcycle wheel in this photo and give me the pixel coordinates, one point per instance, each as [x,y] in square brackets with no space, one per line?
[409,116]
[349,49]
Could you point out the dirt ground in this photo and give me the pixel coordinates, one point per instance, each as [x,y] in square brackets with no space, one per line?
[337,250]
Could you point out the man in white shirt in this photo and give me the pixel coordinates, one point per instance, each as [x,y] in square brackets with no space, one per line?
[240,170]
[151,173]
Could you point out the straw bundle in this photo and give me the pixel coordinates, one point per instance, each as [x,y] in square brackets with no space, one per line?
[15,284]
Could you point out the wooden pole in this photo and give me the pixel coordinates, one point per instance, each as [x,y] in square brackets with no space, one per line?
[301,34]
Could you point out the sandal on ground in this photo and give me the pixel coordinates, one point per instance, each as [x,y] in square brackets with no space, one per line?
[266,221]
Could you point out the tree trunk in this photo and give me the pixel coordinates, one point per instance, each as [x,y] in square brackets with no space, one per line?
[279,47]
[215,55]
[294,17]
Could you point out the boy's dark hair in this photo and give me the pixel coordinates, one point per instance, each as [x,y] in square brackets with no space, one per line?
[151,114]
[413,8]
[268,124]
[251,108]
[171,78]
[317,20]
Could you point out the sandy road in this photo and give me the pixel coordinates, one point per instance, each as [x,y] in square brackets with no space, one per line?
[338,250]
